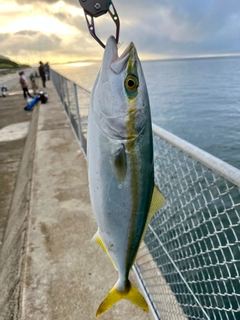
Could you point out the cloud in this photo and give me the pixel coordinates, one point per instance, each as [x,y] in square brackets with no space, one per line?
[27,33]
[183,28]
[30,46]
[73,20]
[48,2]
[159,28]
[28,43]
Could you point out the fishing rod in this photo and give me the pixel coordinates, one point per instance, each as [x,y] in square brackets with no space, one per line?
[96,8]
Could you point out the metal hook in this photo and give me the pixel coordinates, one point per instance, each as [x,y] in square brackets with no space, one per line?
[93,8]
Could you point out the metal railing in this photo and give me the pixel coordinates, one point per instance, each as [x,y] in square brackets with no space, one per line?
[189,263]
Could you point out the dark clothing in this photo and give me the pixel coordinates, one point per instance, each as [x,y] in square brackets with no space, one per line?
[42,74]
[43,81]
[41,71]
[26,92]
[47,68]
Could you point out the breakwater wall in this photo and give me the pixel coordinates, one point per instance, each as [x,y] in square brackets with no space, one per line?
[13,247]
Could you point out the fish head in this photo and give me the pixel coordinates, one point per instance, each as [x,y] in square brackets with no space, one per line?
[120,100]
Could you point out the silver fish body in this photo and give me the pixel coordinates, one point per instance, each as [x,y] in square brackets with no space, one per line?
[120,163]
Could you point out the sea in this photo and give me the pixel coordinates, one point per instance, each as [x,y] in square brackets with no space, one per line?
[195,99]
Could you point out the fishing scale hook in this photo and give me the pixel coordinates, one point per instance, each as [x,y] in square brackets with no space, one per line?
[95,8]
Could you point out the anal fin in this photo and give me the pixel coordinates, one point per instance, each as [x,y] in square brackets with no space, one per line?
[96,238]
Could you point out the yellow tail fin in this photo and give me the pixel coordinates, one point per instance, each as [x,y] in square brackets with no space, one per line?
[131,293]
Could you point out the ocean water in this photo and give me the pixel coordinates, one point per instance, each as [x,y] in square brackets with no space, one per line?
[196,99]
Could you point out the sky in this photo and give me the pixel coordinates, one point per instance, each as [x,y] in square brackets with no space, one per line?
[56,31]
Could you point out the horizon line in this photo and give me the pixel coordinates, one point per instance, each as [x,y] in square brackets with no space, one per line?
[208,56]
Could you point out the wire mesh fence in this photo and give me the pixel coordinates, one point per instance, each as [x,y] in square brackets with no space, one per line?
[189,262]
[195,239]
[75,100]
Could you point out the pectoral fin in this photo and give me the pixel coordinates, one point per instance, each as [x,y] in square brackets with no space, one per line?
[98,240]
[120,163]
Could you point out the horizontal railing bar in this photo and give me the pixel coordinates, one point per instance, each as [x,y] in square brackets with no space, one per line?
[216,165]
[72,82]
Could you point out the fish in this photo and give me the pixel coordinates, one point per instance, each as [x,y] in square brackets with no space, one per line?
[121,166]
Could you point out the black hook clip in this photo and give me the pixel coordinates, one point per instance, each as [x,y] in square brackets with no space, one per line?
[95,8]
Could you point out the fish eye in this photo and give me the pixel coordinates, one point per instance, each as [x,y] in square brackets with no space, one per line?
[131,83]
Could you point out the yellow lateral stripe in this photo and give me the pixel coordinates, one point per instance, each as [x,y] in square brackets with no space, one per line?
[130,145]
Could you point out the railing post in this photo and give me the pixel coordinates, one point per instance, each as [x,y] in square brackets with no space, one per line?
[57,84]
[61,90]
[80,134]
[59,87]
[68,101]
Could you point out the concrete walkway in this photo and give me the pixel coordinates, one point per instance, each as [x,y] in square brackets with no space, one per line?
[14,123]
[60,275]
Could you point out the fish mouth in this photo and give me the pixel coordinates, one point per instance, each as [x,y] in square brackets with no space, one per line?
[118,63]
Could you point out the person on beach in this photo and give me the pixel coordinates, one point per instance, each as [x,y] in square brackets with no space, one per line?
[41,70]
[24,84]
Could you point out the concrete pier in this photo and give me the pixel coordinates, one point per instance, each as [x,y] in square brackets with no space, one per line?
[48,269]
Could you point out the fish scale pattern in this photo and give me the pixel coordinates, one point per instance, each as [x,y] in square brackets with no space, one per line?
[189,262]
[194,240]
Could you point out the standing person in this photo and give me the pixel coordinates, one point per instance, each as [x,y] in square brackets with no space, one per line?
[33,81]
[47,68]
[24,85]
[42,73]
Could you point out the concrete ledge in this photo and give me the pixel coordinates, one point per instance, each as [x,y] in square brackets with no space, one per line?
[14,238]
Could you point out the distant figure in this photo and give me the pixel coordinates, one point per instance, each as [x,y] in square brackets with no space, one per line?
[24,84]
[3,91]
[42,73]
[33,82]
[47,70]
